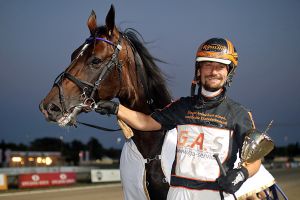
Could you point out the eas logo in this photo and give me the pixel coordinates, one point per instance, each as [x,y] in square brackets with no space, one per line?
[196,141]
[35,177]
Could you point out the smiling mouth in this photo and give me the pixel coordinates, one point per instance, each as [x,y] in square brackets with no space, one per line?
[214,79]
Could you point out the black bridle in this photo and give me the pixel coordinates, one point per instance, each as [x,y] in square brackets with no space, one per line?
[88,89]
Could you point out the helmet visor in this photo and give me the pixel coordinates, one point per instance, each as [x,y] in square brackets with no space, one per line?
[223,61]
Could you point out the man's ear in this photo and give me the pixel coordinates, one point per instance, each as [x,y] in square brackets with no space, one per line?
[198,72]
[198,66]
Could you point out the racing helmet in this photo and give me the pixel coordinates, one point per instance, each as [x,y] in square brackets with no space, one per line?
[217,50]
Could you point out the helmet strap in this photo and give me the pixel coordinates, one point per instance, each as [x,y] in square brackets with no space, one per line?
[230,76]
[193,87]
[195,81]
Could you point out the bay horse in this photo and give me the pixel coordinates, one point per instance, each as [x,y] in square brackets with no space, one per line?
[113,64]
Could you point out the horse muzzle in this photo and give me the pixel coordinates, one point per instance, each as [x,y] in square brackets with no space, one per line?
[51,111]
[54,113]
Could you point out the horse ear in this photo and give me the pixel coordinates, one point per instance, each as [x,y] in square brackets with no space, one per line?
[92,23]
[110,20]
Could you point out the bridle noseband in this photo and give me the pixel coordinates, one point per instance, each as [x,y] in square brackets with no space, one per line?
[88,89]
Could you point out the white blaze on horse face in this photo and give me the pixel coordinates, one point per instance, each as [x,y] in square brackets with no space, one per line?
[70,118]
[82,50]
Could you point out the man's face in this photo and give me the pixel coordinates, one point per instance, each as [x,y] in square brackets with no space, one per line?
[213,75]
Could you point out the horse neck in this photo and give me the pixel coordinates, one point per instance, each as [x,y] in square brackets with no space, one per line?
[132,95]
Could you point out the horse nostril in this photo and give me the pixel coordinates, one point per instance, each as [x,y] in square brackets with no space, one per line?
[52,108]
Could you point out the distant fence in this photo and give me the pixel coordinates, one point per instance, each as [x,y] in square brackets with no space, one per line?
[281,165]
[10,171]
[87,174]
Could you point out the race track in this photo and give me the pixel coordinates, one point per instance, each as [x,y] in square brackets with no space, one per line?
[288,180]
[99,192]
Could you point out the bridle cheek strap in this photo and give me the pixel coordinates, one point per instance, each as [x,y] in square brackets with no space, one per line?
[85,86]
[114,61]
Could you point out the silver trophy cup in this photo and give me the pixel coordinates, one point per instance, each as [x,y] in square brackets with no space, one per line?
[256,145]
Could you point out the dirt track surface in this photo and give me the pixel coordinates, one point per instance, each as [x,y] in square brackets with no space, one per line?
[99,192]
[288,180]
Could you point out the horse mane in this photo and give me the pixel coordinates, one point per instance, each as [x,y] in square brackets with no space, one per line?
[152,78]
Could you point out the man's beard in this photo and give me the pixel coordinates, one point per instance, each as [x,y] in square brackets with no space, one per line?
[213,88]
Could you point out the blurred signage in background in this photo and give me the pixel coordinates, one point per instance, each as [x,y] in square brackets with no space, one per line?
[105,175]
[3,182]
[46,179]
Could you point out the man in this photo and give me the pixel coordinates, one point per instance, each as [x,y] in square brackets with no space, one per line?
[208,124]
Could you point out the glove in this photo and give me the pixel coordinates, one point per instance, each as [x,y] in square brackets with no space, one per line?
[107,107]
[233,180]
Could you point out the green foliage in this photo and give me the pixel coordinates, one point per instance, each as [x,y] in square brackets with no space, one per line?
[95,148]
[46,144]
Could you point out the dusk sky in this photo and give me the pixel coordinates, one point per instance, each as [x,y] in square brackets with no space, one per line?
[38,37]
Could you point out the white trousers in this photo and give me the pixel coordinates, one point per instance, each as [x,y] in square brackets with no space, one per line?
[178,193]
[132,166]
[260,181]
[132,170]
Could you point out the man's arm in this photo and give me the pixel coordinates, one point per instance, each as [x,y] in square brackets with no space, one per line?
[137,120]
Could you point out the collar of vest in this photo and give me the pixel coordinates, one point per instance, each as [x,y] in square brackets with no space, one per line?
[207,103]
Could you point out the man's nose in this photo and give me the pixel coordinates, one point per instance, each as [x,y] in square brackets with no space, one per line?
[214,70]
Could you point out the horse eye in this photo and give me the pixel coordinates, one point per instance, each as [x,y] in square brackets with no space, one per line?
[96,61]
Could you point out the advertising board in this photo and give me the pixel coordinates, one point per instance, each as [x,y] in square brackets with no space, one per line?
[105,175]
[3,182]
[34,180]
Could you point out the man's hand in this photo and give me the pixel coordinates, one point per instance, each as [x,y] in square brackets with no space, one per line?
[107,107]
[233,180]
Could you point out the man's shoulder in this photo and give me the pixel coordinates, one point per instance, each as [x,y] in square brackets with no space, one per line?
[179,102]
[236,105]
[184,99]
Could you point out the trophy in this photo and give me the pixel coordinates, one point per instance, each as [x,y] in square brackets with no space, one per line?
[256,145]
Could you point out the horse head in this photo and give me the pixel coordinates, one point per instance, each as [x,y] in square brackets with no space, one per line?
[95,72]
